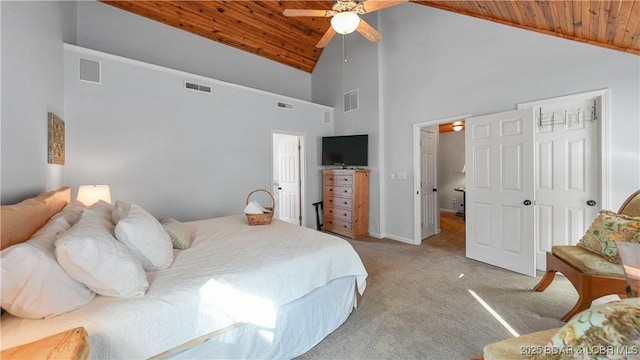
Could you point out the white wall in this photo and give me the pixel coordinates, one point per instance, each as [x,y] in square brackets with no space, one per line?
[32,35]
[177,152]
[106,28]
[450,164]
[331,78]
[437,64]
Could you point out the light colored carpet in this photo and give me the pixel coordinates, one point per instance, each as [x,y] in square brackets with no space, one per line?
[418,303]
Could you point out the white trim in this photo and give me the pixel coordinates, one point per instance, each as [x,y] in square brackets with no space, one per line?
[416,174]
[401,239]
[382,223]
[216,82]
[303,167]
[605,141]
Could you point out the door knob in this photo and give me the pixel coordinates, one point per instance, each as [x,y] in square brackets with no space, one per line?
[527,202]
[435,190]
[279,188]
[591,202]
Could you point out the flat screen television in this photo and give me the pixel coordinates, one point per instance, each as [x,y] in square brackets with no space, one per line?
[349,150]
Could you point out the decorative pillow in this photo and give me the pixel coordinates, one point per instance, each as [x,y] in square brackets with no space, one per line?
[89,253]
[145,237]
[608,228]
[120,209]
[178,233]
[33,284]
[610,330]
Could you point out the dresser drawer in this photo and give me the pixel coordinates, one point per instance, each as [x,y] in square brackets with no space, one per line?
[331,179]
[344,191]
[340,214]
[338,202]
[337,226]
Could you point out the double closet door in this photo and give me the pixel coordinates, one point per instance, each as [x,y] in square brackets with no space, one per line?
[532,181]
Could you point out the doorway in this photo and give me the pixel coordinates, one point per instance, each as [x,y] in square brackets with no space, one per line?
[426,201]
[287,176]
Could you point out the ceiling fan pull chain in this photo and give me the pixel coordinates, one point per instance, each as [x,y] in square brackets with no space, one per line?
[344,48]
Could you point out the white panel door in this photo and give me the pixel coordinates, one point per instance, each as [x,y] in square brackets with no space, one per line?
[568,171]
[289,179]
[428,166]
[499,190]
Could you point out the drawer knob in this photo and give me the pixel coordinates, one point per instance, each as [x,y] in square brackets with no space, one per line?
[345,179]
[345,214]
[345,226]
[346,191]
[344,202]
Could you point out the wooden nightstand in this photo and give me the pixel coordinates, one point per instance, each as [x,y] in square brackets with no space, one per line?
[71,344]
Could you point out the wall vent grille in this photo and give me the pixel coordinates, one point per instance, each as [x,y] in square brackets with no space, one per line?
[351,100]
[197,87]
[89,70]
[327,117]
[284,105]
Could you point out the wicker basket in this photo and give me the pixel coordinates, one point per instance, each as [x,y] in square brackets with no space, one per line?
[262,219]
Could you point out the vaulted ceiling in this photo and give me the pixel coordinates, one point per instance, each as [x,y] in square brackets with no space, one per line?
[259,27]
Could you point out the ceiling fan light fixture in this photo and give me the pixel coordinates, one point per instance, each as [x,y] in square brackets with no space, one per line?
[345,22]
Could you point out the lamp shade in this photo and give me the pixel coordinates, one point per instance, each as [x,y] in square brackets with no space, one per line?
[91,194]
[345,22]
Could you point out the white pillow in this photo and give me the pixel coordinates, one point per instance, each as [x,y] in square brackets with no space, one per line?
[71,212]
[101,208]
[89,253]
[33,284]
[120,210]
[145,237]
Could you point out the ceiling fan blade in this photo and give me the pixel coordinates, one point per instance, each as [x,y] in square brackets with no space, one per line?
[309,13]
[375,5]
[326,37]
[368,31]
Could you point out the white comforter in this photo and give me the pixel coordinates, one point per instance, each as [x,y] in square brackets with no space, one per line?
[232,273]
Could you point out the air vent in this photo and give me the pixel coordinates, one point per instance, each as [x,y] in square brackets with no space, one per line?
[197,87]
[89,70]
[351,100]
[285,105]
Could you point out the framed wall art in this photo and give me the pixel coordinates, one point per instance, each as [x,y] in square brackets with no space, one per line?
[55,140]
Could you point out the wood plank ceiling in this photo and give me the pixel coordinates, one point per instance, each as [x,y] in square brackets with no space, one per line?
[260,28]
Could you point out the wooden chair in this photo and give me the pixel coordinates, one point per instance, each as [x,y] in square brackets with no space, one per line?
[591,275]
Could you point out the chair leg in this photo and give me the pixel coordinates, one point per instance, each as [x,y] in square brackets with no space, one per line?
[546,280]
[582,304]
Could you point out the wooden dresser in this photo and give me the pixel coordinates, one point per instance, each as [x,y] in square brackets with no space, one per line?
[346,202]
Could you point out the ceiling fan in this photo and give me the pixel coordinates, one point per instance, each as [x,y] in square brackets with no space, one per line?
[345,19]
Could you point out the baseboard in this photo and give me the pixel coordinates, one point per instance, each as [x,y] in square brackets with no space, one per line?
[401,239]
[447,210]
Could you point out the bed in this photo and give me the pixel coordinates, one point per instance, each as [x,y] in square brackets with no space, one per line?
[239,291]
